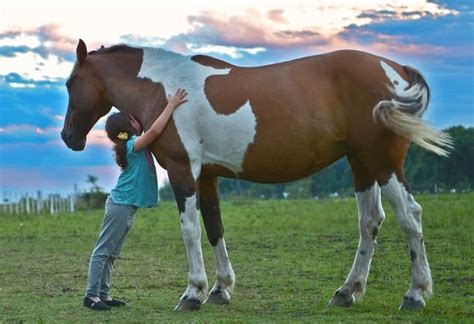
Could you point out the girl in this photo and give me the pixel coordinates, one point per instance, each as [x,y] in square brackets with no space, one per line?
[136,188]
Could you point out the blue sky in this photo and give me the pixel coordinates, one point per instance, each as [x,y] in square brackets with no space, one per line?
[37,53]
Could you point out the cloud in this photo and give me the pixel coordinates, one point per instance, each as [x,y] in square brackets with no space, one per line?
[36,57]
[145,41]
[99,137]
[307,27]
[252,28]
[45,41]
[15,80]
[429,36]
[276,15]
[22,129]
[31,68]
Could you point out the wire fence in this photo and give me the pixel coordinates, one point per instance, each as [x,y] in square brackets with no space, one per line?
[18,203]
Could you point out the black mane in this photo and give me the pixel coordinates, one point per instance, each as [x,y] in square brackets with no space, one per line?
[122,48]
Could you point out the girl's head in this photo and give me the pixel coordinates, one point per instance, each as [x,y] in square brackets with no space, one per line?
[120,128]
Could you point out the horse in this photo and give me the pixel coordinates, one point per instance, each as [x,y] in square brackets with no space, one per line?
[268,124]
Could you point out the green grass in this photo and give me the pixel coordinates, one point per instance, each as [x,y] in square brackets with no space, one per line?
[288,256]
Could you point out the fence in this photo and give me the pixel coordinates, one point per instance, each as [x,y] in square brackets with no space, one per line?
[16,203]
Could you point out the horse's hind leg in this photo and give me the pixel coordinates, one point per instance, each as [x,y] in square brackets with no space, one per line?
[371,216]
[408,212]
[209,205]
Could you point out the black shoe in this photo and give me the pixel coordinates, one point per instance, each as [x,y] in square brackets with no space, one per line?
[114,302]
[99,306]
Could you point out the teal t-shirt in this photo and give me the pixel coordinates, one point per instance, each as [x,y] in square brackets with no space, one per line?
[137,184]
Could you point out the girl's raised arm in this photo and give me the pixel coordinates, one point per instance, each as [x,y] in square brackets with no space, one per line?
[155,130]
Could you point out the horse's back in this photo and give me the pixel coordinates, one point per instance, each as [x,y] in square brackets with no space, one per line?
[308,111]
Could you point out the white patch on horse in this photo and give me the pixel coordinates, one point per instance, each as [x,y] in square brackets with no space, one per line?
[208,137]
[398,83]
[409,212]
[371,216]
[191,230]
[225,273]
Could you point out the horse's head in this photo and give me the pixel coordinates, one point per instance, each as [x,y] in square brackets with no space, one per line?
[87,100]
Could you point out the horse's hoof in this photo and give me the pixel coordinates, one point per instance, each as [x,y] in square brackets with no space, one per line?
[188,305]
[218,297]
[409,303]
[342,300]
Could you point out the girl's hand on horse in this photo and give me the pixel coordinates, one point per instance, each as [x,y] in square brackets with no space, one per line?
[159,124]
[177,99]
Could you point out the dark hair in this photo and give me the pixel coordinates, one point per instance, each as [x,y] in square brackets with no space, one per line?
[116,124]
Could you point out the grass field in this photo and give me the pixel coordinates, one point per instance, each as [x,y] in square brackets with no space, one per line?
[288,256]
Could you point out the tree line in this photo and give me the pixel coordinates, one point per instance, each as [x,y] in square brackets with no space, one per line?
[425,172]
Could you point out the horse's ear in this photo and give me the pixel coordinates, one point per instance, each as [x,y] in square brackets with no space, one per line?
[81,51]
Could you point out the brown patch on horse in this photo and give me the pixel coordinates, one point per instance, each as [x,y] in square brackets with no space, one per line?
[220,90]
[222,94]
[180,175]
[211,61]
[211,214]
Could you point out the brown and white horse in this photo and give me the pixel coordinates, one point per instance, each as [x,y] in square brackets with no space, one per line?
[268,124]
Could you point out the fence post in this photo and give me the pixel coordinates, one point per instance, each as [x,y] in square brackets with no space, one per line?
[27,203]
[39,202]
[4,200]
[71,203]
[61,203]
[51,204]
[17,207]
[10,203]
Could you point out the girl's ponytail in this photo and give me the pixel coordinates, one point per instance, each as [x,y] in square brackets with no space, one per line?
[120,150]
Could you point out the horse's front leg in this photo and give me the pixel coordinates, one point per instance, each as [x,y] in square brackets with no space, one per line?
[184,186]
[209,205]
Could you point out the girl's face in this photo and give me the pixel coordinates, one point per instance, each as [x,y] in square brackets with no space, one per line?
[136,125]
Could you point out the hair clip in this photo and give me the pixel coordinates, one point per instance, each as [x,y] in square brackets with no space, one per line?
[122,136]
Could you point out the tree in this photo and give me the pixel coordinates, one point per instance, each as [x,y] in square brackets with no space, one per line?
[93,181]
[95,198]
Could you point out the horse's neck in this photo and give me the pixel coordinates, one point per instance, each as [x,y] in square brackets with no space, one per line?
[141,98]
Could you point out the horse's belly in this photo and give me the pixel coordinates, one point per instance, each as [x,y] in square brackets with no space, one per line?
[289,162]
[273,159]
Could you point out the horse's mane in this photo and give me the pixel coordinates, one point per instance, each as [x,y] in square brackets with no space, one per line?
[201,59]
[122,48]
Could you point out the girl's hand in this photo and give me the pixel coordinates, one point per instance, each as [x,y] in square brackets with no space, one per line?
[177,99]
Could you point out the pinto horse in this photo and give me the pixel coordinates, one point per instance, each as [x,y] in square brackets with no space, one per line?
[269,124]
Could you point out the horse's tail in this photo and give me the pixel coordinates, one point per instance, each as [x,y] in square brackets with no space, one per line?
[403,113]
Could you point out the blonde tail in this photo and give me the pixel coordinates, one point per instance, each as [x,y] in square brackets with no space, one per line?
[403,113]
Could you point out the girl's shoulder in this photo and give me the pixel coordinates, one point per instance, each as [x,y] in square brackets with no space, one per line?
[130,144]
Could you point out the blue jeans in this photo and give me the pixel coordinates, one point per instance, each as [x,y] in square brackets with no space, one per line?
[118,221]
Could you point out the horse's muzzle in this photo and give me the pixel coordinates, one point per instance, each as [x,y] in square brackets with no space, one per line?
[73,142]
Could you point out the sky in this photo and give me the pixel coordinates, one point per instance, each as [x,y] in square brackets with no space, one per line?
[37,52]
